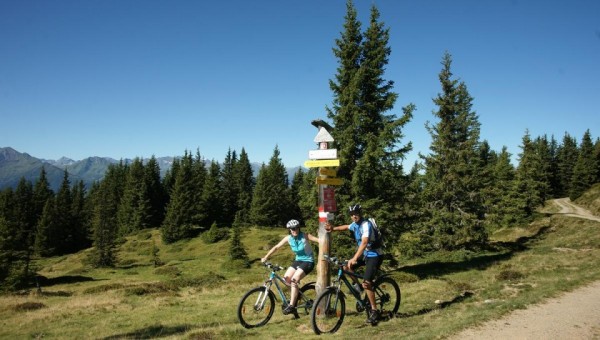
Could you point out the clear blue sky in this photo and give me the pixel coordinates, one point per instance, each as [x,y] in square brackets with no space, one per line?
[136,78]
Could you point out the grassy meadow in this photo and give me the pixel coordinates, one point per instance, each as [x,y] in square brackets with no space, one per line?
[194,293]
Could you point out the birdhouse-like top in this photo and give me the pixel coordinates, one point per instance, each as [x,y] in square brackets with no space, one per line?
[323,136]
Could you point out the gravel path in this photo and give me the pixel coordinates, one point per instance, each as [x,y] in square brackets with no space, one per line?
[573,315]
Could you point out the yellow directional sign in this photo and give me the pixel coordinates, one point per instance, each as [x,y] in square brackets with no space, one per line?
[327,172]
[321,162]
[329,181]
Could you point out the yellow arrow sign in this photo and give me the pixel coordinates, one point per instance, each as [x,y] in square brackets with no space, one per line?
[321,163]
[329,181]
[327,172]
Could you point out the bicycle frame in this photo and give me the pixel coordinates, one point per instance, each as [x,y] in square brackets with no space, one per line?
[276,279]
[343,277]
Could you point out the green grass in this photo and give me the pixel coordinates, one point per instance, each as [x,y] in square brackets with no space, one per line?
[194,296]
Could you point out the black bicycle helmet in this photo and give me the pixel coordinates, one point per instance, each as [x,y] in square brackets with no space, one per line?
[355,209]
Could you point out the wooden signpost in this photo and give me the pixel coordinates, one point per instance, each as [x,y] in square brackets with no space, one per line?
[324,158]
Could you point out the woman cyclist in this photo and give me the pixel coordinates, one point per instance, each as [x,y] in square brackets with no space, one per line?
[303,262]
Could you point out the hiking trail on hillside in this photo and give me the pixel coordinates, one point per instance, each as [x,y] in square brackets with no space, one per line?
[572,315]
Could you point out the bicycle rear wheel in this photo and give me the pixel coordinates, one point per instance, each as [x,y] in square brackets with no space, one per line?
[387,296]
[255,308]
[327,314]
[307,298]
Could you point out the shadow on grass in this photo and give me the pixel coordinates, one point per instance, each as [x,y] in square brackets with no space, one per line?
[65,279]
[496,252]
[463,296]
[152,332]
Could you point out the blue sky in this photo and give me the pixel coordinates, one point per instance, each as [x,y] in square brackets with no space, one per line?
[133,78]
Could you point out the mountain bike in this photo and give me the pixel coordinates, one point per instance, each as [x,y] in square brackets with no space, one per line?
[257,306]
[329,307]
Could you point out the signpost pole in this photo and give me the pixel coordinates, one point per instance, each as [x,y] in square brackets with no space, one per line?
[322,158]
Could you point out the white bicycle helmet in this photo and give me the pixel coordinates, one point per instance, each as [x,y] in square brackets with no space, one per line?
[292,224]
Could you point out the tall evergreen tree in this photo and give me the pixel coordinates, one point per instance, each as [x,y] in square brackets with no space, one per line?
[229,189]
[178,223]
[211,196]
[81,216]
[585,170]
[45,244]
[135,208]
[106,198]
[366,135]
[297,182]
[41,193]
[346,93]
[530,180]
[65,232]
[597,157]
[156,192]
[566,158]
[245,186]
[452,191]
[271,200]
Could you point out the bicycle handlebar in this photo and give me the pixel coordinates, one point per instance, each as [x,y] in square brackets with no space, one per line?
[335,260]
[274,267]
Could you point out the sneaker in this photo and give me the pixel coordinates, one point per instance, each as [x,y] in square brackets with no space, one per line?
[289,310]
[373,317]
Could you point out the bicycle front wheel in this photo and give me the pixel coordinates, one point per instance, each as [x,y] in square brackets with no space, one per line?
[327,314]
[256,307]
[387,296]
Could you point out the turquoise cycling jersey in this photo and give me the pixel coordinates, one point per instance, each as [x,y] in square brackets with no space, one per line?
[301,247]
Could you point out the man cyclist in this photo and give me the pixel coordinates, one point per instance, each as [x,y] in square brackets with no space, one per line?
[303,263]
[364,256]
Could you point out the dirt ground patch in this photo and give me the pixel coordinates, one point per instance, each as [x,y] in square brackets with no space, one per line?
[573,315]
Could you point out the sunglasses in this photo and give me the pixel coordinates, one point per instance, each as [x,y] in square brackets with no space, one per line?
[294,229]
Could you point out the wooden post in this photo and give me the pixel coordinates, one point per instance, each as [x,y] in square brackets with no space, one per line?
[323,158]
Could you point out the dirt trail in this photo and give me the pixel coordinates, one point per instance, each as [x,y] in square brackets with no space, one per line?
[573,315]
[568,208]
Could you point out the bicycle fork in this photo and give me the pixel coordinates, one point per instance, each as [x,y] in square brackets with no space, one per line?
[262,297]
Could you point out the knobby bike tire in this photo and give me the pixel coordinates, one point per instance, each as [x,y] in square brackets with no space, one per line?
[387,296]
[307,299]
[249,314]
[327,314]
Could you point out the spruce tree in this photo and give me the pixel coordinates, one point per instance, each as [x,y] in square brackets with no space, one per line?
[366,134]
[245,182]
[156,192]
[346,93]
[211,196]
[452,192]
[585,170]
[237,253]
[566,158]
[530,181]
[229,189]
[134,209]
[41,192]
[271,199]
[178,223]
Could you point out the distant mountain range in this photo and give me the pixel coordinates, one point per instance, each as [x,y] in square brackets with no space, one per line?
[15,164]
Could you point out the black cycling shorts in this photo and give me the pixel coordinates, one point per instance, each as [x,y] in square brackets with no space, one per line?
[306,267]
[371,264]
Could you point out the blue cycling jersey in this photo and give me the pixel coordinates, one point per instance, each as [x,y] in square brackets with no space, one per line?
[363,229]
